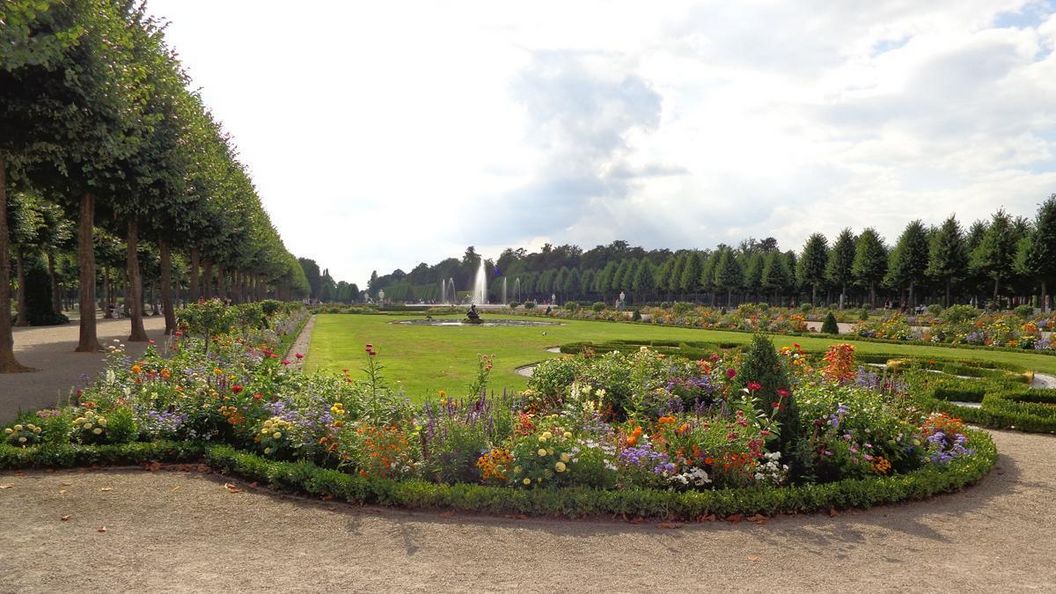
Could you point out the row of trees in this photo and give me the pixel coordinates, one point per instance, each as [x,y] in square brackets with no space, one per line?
[323,288]
[100,128]
[1003,258]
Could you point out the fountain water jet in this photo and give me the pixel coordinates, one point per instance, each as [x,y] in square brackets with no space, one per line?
[480,286]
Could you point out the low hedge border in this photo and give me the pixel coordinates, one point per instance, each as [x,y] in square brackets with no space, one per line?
[1004,404]
[572,502]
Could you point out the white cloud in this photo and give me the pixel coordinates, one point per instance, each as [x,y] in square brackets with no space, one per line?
[385,134]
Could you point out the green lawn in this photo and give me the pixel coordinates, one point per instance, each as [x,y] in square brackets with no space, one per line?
[425,359]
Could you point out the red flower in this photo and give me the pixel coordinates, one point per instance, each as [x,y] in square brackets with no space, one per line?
[731,373]
[783,393]
[299,356]
[285,361]
[258,396]
[754,386]
[236,388]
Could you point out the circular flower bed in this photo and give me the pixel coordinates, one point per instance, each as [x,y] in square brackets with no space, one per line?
[632,434]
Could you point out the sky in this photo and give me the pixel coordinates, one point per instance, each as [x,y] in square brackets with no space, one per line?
[384,134]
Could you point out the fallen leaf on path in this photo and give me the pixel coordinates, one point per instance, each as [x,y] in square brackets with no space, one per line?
[62,491]
[669,525]
[759,519]
[154,466]
[735,518]
[176,488]
[6,486]
[101,529]
[253,485]
[65,518]
[107,489]
[231,488]
[753,557]
[833,513]
[708,517]
[65,484]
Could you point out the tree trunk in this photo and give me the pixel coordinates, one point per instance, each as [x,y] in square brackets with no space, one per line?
[195,270]
[221,291]
[20,274]
[813,294]
[207,280]
[8,363]
[134,294]
[997,286]
[88,341]
[166,287]
[949,289]
[1044,297]
[56,297]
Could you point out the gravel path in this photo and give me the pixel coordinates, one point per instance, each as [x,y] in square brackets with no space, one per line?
[49,349]
[304,340]
[186,531]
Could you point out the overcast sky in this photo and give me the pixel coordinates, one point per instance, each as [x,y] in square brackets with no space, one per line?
[383,134]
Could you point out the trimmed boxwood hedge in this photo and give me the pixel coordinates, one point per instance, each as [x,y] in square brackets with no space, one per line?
[307,478]
[1005,404]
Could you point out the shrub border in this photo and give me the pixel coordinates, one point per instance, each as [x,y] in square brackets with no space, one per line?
[570,502]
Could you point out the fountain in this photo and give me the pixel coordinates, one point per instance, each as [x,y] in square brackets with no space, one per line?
[480,286]
[452,294]
[504,290]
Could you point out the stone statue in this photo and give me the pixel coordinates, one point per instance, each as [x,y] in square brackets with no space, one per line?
[472,316]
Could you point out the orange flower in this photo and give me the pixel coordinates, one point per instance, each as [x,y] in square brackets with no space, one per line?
[136,369]
[633,438]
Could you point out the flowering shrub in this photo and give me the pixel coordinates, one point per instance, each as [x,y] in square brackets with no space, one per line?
[23,435]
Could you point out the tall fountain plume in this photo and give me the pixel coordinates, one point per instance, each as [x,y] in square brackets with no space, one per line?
[504,290]
[452,295]
[480,285]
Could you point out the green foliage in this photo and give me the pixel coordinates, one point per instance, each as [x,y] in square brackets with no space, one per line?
[208,319]
[598,306]
[830,326]
[762,366]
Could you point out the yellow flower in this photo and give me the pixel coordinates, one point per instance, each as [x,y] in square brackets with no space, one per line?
[541,452]
[545,436]
[18,427]
[567,435]
[218,371]
[97,431]
[527,481]
[277,435]
[565,457]
[560,467]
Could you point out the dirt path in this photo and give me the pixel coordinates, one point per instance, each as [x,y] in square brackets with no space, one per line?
[49,349]
[186,531]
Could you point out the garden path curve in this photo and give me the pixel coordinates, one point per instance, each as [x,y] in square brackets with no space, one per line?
[49,349]
[187,531]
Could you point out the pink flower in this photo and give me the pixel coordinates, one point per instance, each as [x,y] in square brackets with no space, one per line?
[286,361]
[731,373]
[299,356]
[755,386]
[783,393]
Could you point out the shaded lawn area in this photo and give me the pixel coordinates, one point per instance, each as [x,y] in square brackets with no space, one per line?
[424,359]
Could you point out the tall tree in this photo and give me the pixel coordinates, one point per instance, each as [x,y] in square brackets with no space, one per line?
[870,262]
[728,274]
[839,269]
[1041,253]
[909,260]
[777,276]
[996,251]
[948,256]
[811,267]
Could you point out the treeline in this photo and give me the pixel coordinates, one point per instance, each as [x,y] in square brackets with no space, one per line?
[1001,261]
[322,287]
[114,173]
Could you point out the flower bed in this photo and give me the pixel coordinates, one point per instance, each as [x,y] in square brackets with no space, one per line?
[629,434]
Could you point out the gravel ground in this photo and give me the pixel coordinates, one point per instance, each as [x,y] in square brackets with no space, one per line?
[49,349]
[186,531]
[304,340]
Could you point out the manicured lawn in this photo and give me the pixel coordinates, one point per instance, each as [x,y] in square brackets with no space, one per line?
[425,359]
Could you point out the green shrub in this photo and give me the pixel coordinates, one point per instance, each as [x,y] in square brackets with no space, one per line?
[1025,311]
[830,326]
[762,366]
[598,306]
[935,309]
[529,305]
